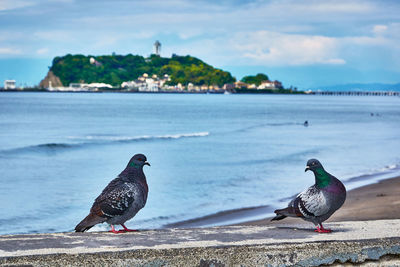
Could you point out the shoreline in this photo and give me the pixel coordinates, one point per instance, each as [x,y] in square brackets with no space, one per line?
[238,92]
[120,90]
[375,201]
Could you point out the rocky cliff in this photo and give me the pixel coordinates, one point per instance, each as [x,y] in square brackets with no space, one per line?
[50,77]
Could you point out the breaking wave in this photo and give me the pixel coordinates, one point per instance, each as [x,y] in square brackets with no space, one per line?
[91,140]
[107,138]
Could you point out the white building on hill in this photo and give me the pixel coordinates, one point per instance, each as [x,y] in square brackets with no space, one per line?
[9,84]
[270,85]
[145,83]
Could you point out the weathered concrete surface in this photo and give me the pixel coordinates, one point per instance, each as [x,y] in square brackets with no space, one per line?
[284,245]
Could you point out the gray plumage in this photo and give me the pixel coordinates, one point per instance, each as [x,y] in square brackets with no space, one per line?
[121,199]
[317,203]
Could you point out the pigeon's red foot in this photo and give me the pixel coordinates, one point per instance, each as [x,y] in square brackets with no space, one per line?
[322,230]
[115,231]
[128,230]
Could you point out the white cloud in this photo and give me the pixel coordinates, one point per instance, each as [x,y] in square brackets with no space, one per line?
[42,51]
[9,51]
[387,36]
[14,4]
[272,48]
[333,6]
[364,41]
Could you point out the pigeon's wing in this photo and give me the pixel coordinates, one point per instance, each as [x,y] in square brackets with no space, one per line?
[115,200]
[310,203]
[115,183]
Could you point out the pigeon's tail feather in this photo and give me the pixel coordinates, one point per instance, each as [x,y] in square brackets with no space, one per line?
[287,212]
[280,214]
[278,217]
[87,223]
[283,213]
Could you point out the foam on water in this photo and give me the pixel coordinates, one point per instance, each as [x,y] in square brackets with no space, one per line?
[137,138]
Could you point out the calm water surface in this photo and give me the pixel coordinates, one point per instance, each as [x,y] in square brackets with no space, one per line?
[208,153]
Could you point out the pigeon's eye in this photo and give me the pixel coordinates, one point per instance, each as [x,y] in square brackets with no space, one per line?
[140,159]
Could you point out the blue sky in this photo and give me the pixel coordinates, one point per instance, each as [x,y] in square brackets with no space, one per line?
[304,43]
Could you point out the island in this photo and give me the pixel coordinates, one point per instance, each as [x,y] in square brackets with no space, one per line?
[135,73]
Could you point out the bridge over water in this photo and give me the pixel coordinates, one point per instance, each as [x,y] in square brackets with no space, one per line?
[358,93]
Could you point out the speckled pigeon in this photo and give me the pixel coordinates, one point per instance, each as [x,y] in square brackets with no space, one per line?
[318,202]
[122,198]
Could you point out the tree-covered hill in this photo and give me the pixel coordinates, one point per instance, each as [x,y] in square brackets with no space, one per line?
[115,69]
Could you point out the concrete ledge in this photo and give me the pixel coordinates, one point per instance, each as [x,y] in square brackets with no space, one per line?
[283,245]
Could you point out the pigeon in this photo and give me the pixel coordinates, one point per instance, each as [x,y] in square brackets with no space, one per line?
[121,199]
[317,203]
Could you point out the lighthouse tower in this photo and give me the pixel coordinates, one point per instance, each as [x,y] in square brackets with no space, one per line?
[157,48]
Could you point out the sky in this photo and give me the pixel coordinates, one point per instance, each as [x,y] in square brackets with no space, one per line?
[302,43]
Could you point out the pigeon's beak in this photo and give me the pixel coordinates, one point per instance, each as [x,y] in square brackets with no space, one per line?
[146,163]
[307,168]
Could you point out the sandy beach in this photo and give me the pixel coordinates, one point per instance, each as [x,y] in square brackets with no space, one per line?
[371,202]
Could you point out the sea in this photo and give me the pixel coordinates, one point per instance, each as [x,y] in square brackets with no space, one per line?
[209,153]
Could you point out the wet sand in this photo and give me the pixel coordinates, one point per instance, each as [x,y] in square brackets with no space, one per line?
[371,202]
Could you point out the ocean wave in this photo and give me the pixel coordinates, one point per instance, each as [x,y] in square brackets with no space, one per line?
[46,148]
[108,138]
[91,140]
[375,172]
[390,167]
[53,145]
[372,176]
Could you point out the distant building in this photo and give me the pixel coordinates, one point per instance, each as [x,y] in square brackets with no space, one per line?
[86,86]
[204,87]
[150,85]
[270,85]
[93,61]
[213,87]
[75,86]
[146,84]
[157,48]
[97,86]
[130,85]
[240,84]
[9,84]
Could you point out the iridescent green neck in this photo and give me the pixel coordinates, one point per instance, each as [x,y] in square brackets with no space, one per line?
[132,164]
[322,178]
